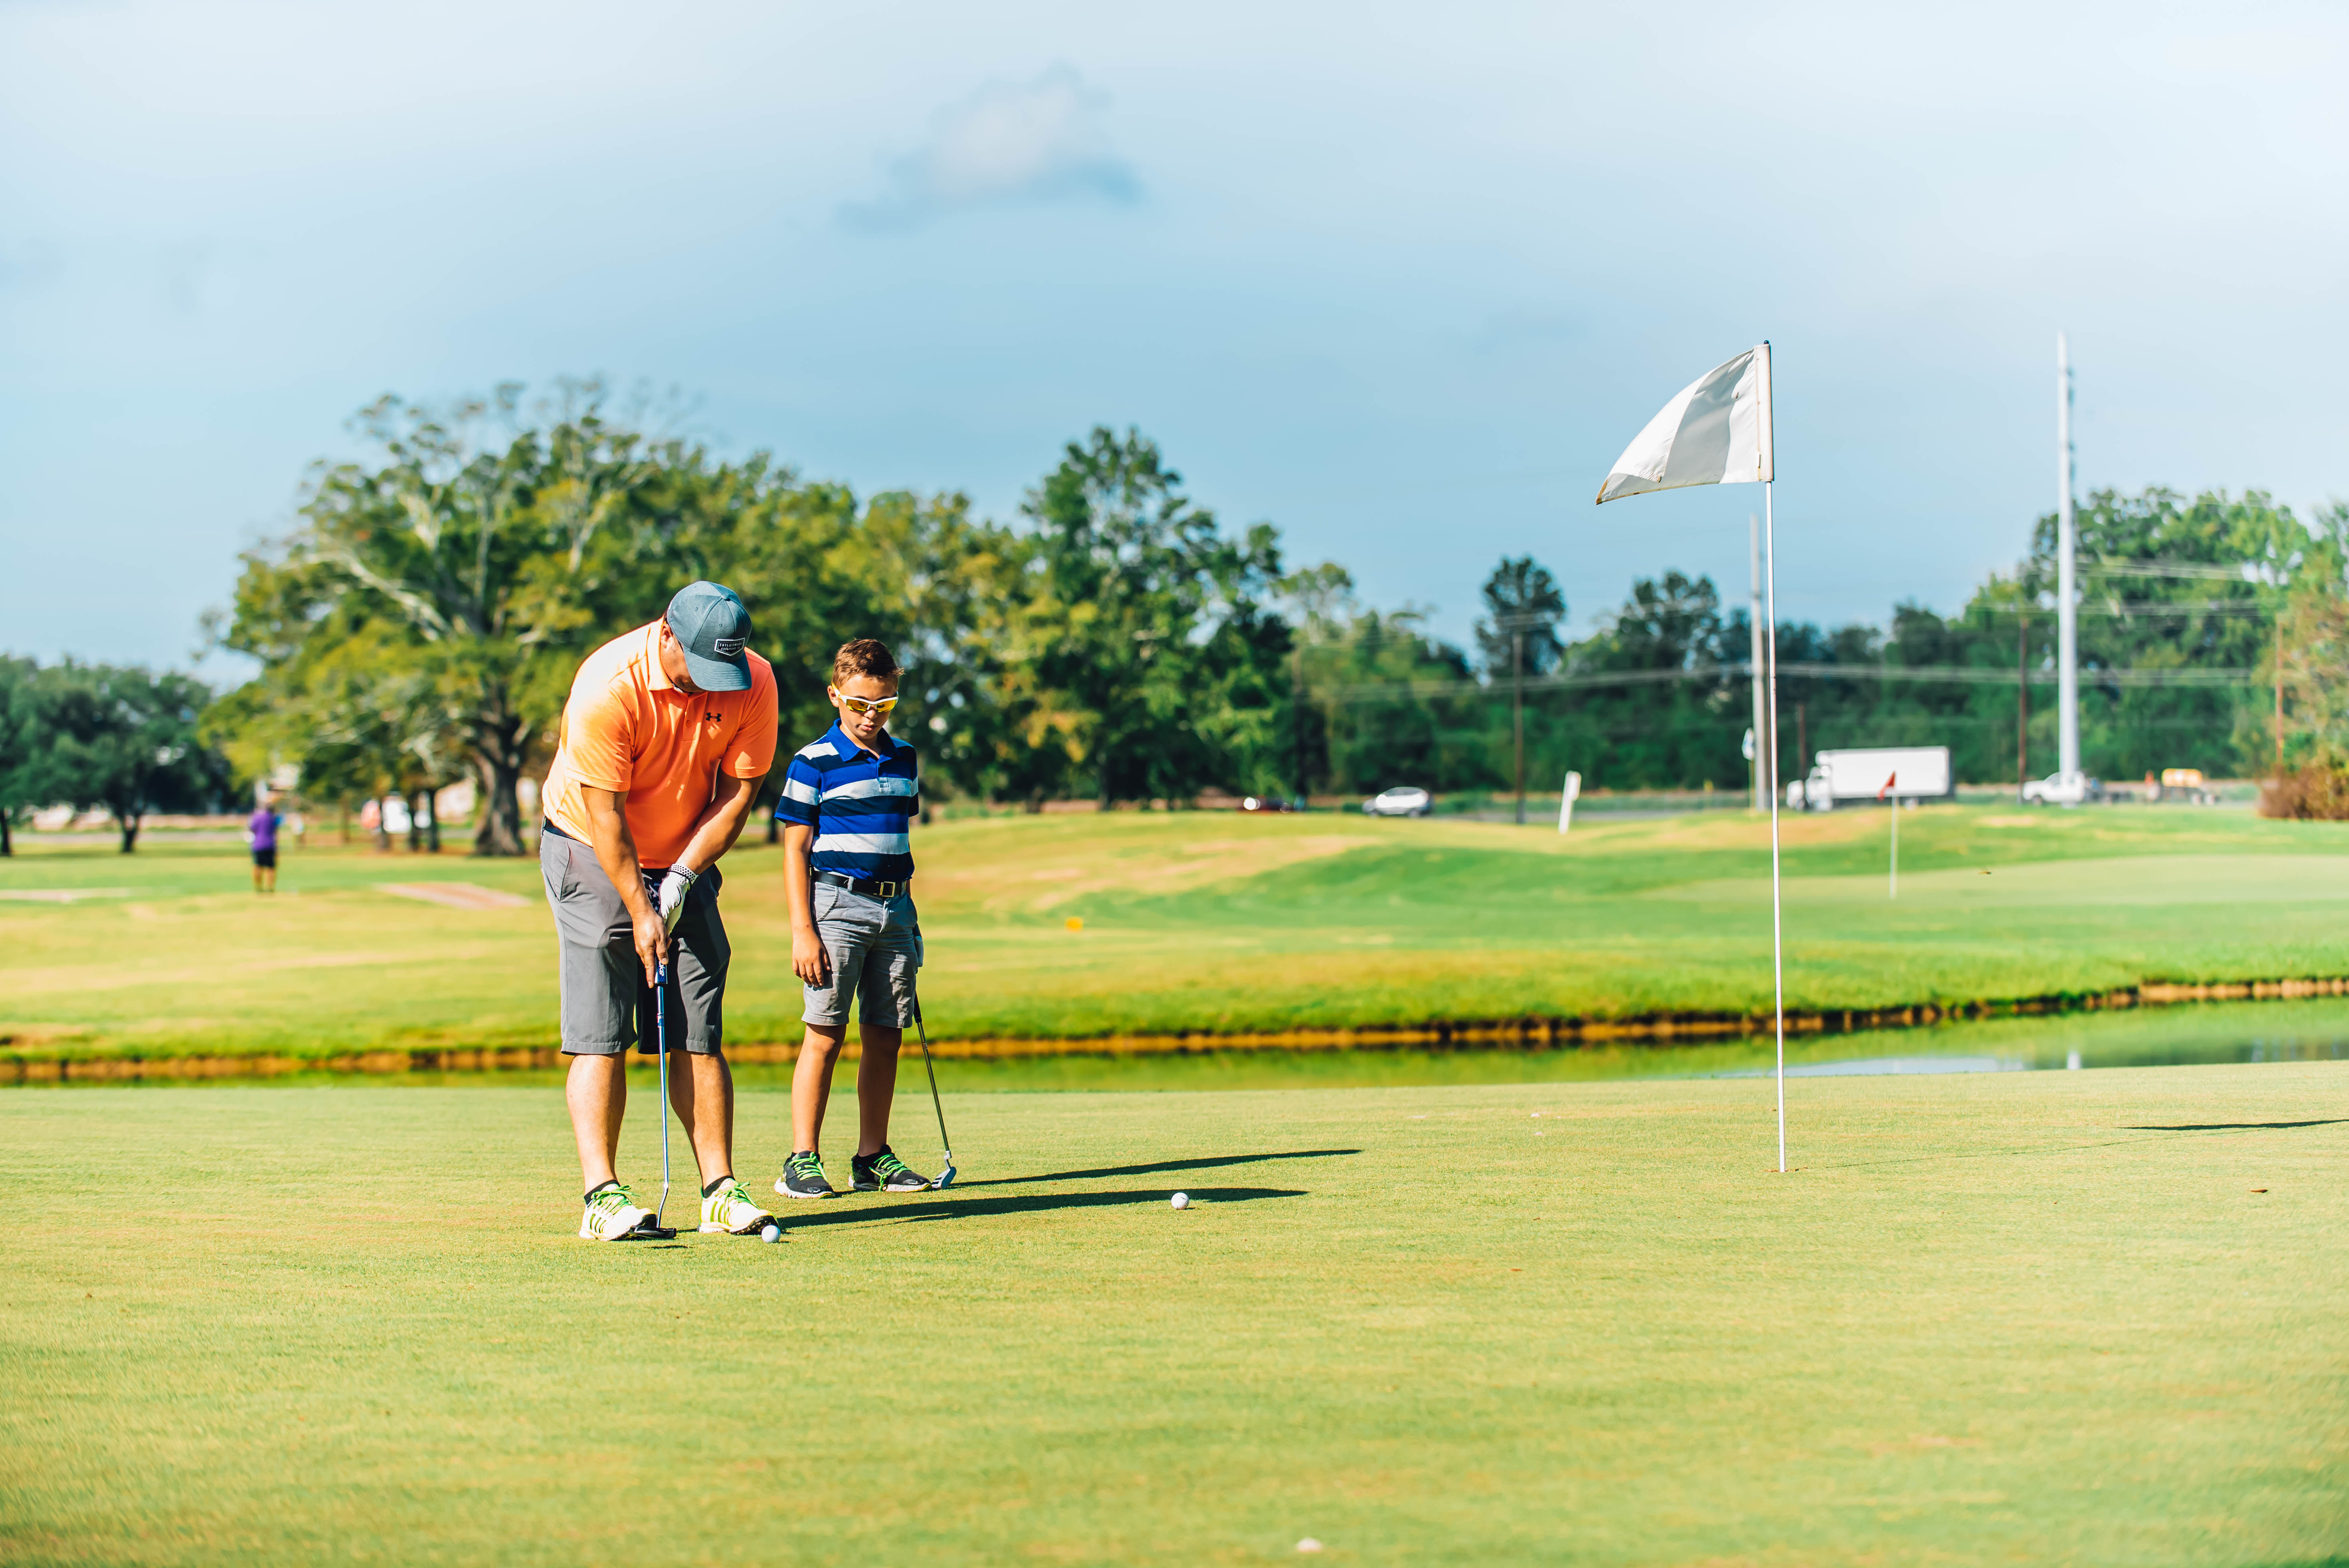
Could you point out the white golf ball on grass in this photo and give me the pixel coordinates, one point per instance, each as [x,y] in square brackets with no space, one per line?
[1180,1201]
[771,1233]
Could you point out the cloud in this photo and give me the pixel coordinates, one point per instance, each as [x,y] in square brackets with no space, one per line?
[1038,141]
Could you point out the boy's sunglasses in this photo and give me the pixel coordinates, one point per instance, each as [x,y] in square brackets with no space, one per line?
[861,705]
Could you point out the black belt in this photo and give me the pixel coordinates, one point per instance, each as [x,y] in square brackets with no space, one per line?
[858,884]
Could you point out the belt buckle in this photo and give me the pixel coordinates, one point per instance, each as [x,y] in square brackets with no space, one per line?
[888,889]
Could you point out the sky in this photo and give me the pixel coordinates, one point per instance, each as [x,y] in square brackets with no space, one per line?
[1401,279]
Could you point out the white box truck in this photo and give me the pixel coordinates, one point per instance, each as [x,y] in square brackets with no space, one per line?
[1870,773]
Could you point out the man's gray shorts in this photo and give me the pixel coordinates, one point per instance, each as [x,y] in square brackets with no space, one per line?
[607,1005]
[876,945]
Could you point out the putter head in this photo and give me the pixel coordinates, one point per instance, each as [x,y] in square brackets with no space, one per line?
[946,1178]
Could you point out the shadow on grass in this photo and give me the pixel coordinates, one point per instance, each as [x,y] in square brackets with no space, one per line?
[1158,1168]
[2242,1126]
[947,1209]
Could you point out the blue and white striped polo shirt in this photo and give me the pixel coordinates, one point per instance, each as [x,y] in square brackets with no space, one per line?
[859,804]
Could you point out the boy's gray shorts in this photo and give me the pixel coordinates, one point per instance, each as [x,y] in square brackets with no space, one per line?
[607,1005]
[875,944]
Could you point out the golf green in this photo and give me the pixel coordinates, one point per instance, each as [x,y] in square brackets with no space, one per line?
[2082,1317]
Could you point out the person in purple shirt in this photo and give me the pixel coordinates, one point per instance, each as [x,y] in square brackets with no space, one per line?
[262,831]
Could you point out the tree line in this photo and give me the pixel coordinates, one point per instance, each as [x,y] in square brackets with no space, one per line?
[2190,609]
[106,738]
[420,622]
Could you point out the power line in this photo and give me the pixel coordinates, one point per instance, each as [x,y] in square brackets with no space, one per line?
[2178,569]
[1957,674]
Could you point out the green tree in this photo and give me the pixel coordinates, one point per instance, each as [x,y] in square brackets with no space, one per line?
[20,743]
[126,739]
[1523,607]
[1518,638]
[1143,619]
[477,569]
[1401,706]
[2172,582]
[1674,717]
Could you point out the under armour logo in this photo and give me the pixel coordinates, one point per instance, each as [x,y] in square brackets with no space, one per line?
[727,647]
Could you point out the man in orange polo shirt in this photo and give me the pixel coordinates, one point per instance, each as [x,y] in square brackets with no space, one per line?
[668,730]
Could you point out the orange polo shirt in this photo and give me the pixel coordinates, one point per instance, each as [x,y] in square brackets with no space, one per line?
[627,727]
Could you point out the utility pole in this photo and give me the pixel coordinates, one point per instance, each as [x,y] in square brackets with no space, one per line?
[1763,772]
[2279,709]
[1297,716]
[1517,669]
[2022,703]
[2067,621]
[1518,623]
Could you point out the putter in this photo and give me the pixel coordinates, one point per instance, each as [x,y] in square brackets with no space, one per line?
[660,1038]
[947,1175]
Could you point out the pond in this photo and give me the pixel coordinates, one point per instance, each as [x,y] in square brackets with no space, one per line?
[2144,1036]
[2208,1032]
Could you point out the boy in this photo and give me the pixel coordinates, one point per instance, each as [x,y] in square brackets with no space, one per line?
[847,803]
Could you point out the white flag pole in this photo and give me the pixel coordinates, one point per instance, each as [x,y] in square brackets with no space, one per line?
[1717,431]
[1777,926]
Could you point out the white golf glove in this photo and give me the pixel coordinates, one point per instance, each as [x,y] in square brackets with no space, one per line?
[670,901]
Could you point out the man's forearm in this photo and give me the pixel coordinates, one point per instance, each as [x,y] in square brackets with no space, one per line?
[615,851]
[716,833]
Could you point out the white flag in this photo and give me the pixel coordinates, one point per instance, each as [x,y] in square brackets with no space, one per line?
[1717,432]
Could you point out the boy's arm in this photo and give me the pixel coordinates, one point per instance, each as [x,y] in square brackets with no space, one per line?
[809,960]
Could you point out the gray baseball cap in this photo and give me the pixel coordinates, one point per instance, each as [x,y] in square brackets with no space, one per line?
[713,629]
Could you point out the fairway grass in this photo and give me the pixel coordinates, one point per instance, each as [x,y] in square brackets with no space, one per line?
[2033,1317]
[1129,923]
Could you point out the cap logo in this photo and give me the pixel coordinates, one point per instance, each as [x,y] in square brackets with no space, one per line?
[727,647]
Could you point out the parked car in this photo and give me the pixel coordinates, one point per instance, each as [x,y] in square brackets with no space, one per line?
[1403,801]
[1266,804]
[2056,789]
[2181,784]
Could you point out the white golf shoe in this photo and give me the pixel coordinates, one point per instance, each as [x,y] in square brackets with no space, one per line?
[612,1215]
[730,1212]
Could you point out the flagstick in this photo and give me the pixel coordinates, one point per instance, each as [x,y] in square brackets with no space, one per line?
[1777,928]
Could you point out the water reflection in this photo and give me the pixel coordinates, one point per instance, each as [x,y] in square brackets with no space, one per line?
[1868,1067]
[2146,1037]
[2212,1032]
[2310,1030]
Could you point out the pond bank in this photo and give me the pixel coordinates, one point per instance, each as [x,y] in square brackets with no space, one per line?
[1508,1034]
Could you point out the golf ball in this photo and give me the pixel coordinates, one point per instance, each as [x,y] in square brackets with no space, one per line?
[771,1233]
[1180,1201]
